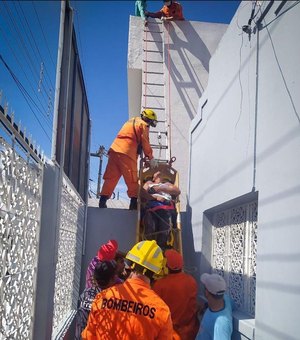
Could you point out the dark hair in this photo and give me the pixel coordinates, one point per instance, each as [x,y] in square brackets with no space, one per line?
[119,256]
[142,270]
[171,271]
[104,272]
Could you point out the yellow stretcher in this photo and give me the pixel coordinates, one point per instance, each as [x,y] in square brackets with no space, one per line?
[168,174]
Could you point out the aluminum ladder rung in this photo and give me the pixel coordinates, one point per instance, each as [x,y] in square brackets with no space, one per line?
[154,84]
[152,51]
[161,132]
[157,146]
[154,41]
[153,72]
[161,121]
[153,96]
[153,108]
[153,31]
[153,61]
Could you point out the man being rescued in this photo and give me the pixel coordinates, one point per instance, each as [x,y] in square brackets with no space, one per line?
[160,215]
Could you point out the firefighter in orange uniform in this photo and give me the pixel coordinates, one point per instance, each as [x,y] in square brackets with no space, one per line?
[171,10]
[123,154]
[179,291]
[132,310]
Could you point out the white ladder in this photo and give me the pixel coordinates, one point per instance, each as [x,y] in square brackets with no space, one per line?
[154,87]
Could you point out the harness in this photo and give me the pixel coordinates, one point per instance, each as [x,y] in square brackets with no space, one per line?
[164,206]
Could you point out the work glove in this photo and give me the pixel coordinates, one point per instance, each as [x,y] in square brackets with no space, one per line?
[153,163]
[163,19]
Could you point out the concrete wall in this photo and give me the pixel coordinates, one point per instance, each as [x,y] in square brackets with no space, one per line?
[134,65]
[103,225]
[245,139]
[190,46]
[44,302]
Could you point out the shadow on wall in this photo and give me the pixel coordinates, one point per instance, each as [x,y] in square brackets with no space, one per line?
[195,46]
[193,260]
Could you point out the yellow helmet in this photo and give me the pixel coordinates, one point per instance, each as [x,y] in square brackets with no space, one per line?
[150,115]
[148,255]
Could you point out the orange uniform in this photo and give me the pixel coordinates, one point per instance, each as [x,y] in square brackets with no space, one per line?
[174,10]
[129,311]
[179,291]
[126,141]
[122,159]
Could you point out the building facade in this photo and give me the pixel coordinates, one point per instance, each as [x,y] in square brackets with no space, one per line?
[244,188]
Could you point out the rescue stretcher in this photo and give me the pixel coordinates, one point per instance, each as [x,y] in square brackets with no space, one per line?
[168,174]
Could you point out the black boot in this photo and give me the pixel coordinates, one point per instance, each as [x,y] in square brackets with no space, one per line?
[102,202]
[133,203]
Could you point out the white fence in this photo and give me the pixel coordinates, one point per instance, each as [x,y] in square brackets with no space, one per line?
[41,234]
[67,276]
[20,201]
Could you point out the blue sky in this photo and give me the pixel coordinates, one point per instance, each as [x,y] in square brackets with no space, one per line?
[29,37]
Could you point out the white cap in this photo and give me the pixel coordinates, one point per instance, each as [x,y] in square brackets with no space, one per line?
[214,283]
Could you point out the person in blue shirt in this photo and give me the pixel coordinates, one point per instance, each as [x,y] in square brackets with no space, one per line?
[216,323]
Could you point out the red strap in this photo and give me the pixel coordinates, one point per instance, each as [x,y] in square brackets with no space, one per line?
[163,207]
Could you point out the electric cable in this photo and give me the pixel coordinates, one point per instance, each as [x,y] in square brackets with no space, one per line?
[25,94]
[22,68]
[20,39]
[279,15]
[47,45]
[32,38]
[282,76]
[247,28]
[240,83]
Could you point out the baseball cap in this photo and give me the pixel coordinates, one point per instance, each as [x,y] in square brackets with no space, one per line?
[108,251]
[174,259]
[104,272]
[214,283]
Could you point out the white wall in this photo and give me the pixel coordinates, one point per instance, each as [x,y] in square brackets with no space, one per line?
[231,158]
[134,65]
[104,225]
[190,45]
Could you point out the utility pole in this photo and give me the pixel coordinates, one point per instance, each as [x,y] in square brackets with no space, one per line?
[100,153]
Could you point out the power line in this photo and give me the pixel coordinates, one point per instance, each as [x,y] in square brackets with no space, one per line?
[20,38]
[25,94]
[42,32]
[22,68]
[32,37]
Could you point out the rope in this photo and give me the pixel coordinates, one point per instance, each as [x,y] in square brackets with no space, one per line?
[169,92]
[145,62]
[148,211]
[169,232]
